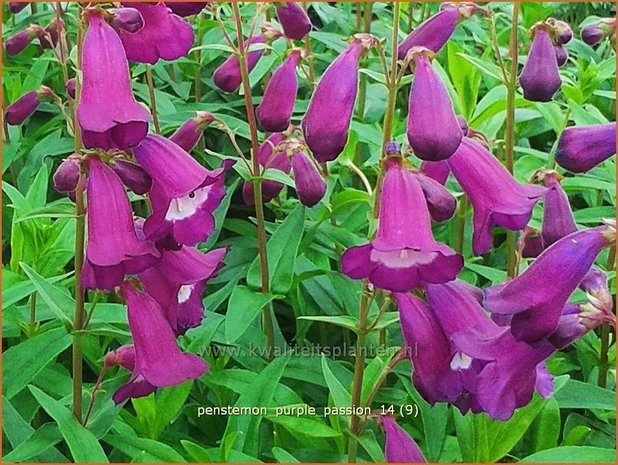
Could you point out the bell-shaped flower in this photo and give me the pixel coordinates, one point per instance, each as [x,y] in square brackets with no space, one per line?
[540,78]
[441,203]
[164,36]
[188,135]
[185,9]
[404,254]
[132,176]
[24,107]
[535,298]
[157,361]
[107,112]
[436,170]
[562,31]
[125,357]
[596,31]
[126,19]
[530,243]
[434,133]
[275,111]
[309,184]
[67,175]
[184,194]
[496,198]
[20,41]
[113,249]
[399,447]
[558,218]
[582,148]
[293,19]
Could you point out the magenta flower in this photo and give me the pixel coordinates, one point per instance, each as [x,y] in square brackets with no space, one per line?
[562,55]
[496,198]
[309,184]
[184,194]
[436,170]
[125,357]
[20,41]
[535,298]
[188,135]
[48,37]
[530,244]
[404,255]
[178,281]
[132,176]
[24,107]
[400,447]
[558,218]
[275,111]
[67,175]
[158,360]
[227,76]
[540,78]
[127,20]
[562,31]
[71,88]
[113,249]
[107,112]
[164,36]
[441,203]
[582,148]
[293,19]
[186,8]
[434,132]
[595,32]
[16,7]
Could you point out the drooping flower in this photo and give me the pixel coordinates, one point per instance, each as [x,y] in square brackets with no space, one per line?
[19,42]
[20,110]
[562,55]
[127,19]
[113,249]
[327,121]
[185,9]
[404,255]
[309,184]
[595,32]
[496,198]
[441,203]
[275,111]
[433,130]
[530,244]
[164,36]
[48,37]
[535,299]
[400,447]
[184,194]
[67,175]
[540,78]
[109,115]
[158,360]
[582,148]
[436,170]
[125,357]
[178,281]
[294,21]
[558,218]
[132,176]
[562,31]
[188,135]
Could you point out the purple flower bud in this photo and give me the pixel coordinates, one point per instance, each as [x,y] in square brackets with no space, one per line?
[597,31]
[16,7]
[109,115]
[275,111]
[164,36]
[71,88]
[599,308]
[48,37]
[558,218]
[530,244]
[400,447]
[562,31]
[309,184]
[132,176]
[562,55]
[67,175]
[188,135]
[432,34]
[294,21]
[540,78]
[127,19]
[436,170]
[441,203]
[433,130]
[26,105]
[270,156]
[582,148]
[227,76]
[18,43]
[185,9]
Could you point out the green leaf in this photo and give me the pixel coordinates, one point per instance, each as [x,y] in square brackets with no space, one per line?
[283,456]
[24,361]
[169,403]
[344,321]
[197,452]
[82,443]
[466,78]
[573,454]
[59,301]
[307,426]
[153,451]
[583,395]
[43,440]
[243,308]
[546,429]
[341,397]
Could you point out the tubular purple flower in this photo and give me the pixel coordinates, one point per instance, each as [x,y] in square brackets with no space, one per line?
[309,184]
[183,198]
[496,198]
[127,19]
[436,170]
[558,218]
[16,7]
[535,298]
[125,357]
[48,37]
[562,31]
[132,176]
[582,148]
[164,36]
[540,78]
[185,9]
[433,130]
[278,160]
[275,111]
[178,281]
[293,19]
[400,447]
[530,244]
[227,76]
[188,135]
[404,254]
[158,360]
[71,88]
[20,110]
[109,115]
[432,34]
[595,32]
[441,203]
[19,42]
[113,248]
[562,55]
[67,175]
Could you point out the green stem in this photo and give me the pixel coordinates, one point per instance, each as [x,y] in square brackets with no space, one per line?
[153,100]
[32,325]
[462,210]
[605,329]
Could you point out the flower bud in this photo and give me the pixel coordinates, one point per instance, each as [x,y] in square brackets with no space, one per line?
[227,76]
[582,148]
[188,135]
[26,105]
[562,55]
[294,21]
[540,78]
[310,185]
[186,8]
[436,170]
[127,19]
[18,43]
[70,87]
[440,202]
[67,175]
[400,447]
[558,218]
[595,32]
[530,244]
[132,176]
[562,30]
[16,7]
[271,156]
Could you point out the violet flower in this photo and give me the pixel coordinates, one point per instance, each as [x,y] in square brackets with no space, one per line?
[184,194]
[404,255]
[113,249]
[125,357]
[66,177]
[436,170]
[309,184]
[48,37]
[127,19]
[178,281]
[558,218]
[562,31]
[496,198]
[71,88]
[440,202]
[16,7]
[434,132]
[400,447]
[132,176]
[293,19]
[530,244]
[188,135]
[227,76]
[185,9]
[108,114]
[275,111]
[540,78]
[270,157]
[562,55]
[595,32]
[582,148]
[24,107]
[19,42]
[164,36]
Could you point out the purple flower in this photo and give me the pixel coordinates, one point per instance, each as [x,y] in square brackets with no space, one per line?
[113,248]
[48,37]
[132,176]
[496,198]
[294,21]
[19,42]
[400,447]
[275,111]
[158,360]
[178,281]
[530,244]
[309,184]
[404,255]
[562,31]
[540,78]
[186,8]
[20,110]
[188,135]
[67,175]
[107,112]
[227,76]
[71,88]
[436,170]
[164,36]
[558,218]
[441,203]
[433,130]
[184,194]
[16,7]
[595,32]
[127,19]
[535,298]
[562,55]
[125,357]
[582,148]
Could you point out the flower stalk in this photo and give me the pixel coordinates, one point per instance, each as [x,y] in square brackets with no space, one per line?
[153,99]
